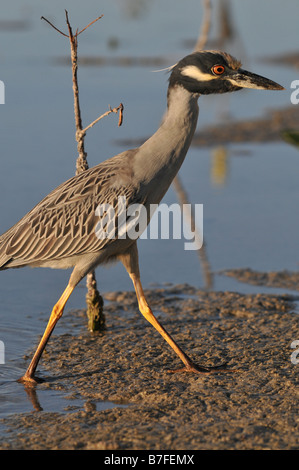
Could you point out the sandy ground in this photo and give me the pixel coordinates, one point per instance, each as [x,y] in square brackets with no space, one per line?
[253,406]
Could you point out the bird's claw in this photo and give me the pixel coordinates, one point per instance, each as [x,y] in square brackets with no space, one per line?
[30,381]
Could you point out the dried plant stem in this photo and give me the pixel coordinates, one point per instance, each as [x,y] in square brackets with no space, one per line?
[119,109]
[94,301]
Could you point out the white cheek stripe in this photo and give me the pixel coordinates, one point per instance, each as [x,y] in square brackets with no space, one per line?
[193,72]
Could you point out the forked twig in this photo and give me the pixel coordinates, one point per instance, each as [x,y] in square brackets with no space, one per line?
[119,109]
[51,24]
[92,22]
[68,24]
[96,319]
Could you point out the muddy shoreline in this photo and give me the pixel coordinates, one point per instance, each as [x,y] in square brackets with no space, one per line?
[282,279]
[252,407]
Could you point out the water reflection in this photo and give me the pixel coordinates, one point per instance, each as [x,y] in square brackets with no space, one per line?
[18,398]
[219,168]
[33,398]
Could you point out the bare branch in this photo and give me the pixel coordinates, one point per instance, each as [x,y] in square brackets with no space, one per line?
[71,35]
[68,25]
[119,108]
[77,34]
[49,22]
[93,298]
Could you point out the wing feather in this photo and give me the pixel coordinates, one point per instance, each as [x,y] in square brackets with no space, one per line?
[64,223]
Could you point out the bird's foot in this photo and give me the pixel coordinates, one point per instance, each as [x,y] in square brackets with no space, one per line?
[206,370]
[29,380]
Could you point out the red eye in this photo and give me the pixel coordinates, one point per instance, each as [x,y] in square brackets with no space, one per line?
[218,69]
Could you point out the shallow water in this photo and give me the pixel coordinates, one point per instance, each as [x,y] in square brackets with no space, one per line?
[250,220]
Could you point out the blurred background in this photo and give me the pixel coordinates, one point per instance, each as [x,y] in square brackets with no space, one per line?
[245,176]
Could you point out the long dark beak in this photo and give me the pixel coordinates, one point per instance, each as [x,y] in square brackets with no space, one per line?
[244,79]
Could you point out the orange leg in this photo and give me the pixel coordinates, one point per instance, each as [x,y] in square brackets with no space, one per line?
[146,311]
[130,262]
[57,312]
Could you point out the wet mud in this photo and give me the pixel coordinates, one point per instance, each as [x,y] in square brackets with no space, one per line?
[252,405]
[281,279]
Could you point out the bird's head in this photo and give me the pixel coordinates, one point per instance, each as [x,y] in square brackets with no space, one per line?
[209,72]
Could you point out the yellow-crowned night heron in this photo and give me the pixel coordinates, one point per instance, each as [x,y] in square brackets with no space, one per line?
[60,232]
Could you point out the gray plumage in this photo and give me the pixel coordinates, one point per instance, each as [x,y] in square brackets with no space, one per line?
[60,231]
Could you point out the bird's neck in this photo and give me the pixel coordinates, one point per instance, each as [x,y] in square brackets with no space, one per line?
[161,156]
